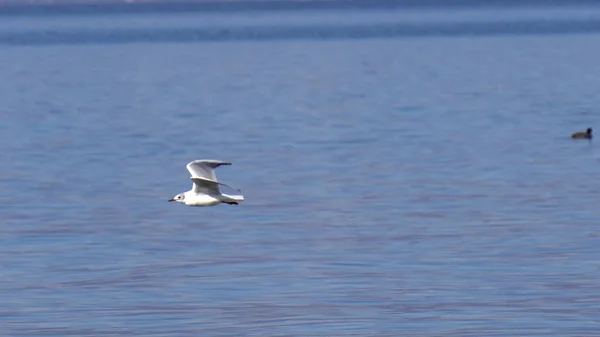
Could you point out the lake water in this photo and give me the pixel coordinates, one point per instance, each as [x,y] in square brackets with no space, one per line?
[406,173]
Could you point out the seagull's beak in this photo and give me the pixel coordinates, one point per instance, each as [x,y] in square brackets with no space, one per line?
[171,200]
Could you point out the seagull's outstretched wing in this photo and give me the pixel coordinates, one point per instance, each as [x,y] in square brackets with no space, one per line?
[205,168]
[206,186]
[204,178]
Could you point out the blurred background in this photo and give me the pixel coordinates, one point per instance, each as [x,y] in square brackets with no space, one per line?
[407,168]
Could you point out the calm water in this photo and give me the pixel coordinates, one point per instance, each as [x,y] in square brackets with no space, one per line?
[404,184]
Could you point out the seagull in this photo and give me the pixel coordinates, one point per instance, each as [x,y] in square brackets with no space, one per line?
[583,135]
[205,190]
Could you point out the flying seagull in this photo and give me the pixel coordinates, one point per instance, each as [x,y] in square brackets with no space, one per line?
[205,190]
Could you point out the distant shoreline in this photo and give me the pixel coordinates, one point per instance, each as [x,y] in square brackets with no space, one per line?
[16,7]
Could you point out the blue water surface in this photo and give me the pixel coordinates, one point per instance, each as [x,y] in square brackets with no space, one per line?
[396,184]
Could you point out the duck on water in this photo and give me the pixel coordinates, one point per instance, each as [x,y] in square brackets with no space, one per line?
[587,134]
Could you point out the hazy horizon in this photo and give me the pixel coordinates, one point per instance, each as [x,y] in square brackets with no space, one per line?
[361,2]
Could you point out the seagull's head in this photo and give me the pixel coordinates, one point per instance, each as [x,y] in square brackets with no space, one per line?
[179,198]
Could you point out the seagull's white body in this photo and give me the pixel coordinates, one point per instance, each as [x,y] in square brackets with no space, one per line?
[205,189]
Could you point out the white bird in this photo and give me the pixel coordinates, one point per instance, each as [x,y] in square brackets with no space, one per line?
[205,190]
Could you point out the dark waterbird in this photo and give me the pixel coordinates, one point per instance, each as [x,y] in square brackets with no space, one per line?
[587,134]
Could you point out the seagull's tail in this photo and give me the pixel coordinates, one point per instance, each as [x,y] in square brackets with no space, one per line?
[236,198]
